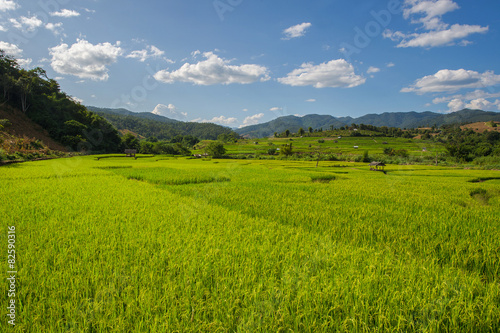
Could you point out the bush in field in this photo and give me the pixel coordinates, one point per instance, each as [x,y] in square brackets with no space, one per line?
[271,151]
[215,149]
[286,150]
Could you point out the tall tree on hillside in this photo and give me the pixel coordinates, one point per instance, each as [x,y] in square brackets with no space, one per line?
[301,131]
[23,85]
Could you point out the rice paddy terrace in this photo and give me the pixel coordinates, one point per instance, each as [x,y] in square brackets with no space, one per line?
[189,245]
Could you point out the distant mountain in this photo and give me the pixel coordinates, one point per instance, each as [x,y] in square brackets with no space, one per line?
[125,112]
[148,124]
[390,119]
[292,123]
[397,119]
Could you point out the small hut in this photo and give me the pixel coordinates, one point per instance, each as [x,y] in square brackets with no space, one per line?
[377,166]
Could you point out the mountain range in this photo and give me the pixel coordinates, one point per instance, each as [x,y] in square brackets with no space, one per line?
[390,119]
[150,124]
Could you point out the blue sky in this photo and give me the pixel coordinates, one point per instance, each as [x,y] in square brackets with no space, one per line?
[242,62]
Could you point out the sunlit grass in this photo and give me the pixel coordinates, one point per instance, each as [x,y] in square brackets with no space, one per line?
[264,249]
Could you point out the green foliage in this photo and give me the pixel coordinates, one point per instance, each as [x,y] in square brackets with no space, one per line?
[228,137]
[321,141]
[215,149]
[65,120]
[4,123]
[286,150]
[163,130]
[272,151]
[129,141]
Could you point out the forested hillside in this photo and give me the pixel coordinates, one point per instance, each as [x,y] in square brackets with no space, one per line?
[65,120]
[148,124]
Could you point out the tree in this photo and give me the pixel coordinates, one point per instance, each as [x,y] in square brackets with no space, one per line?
[215,149]
[287,133]
[286,150]
[301,131]
[130,141]
[310,129]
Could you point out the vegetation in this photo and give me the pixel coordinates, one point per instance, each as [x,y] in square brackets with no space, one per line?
[398,120]
[162,245]
[66,121]
[149,125]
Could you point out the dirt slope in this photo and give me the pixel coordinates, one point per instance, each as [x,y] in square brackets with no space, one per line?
[23,126]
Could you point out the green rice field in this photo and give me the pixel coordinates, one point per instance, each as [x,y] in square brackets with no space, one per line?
[191,245]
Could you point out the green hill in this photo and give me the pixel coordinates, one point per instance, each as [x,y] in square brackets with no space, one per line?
[148,124]
[41,100]
[390,119]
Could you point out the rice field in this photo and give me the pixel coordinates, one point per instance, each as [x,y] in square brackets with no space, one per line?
[183,245]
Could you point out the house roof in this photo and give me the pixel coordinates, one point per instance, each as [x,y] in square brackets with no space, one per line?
[376,164]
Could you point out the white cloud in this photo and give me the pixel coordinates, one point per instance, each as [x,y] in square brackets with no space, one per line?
[26,23]
[14,51]
[85,60]
[480,103]
[65,13]
[391,64]
[373,70]
[24,62]
[245,110]
[151,52]
[56,28]
[222,120]
[334,74]
[312,100]
[252,120]
[6,5]
[429,14]
[436,38]
[296,31]
[447,80]
[432,9]
[275,109]
[456,105]
[214,70]
[10,49]
[169,111]
[76,99]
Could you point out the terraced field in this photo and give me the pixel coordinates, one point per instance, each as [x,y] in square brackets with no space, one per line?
[165,245]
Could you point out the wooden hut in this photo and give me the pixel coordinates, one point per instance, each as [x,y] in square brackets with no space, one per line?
[377,166]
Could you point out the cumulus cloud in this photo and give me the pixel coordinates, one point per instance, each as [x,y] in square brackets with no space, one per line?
[296,31]
[56,28]
[169,111]
[372,70]
[221,120]
[14,51]
[65,13]
[252,120]
[26,23]
[10,49]
[6,5]
[447,80]
[334,74]
[429,14]
[456,105]
[275,109]
[477,99]
[214,70]
[85,60]
[151,52]
[436,38]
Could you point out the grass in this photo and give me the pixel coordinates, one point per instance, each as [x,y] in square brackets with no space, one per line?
[270,250]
